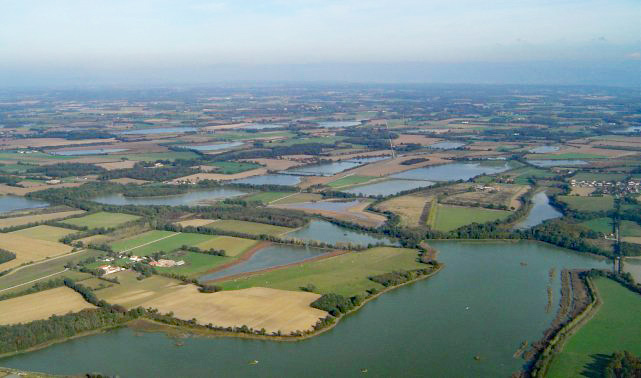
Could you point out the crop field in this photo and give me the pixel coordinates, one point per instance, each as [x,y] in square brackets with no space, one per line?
[232,245]
[350,180]
[267,197]
[35,218]
[41,305]
[102,220]
[29,249]
[409,208]
[198,222]
[506,195]
[604,225]
[615,327]
[153,156]
[588,203]
[195,263]
[44,232]
[588,176]
[299,197]
[345,274]
[131,292]
[222,177]
[231,167]
[155,241]
[251,228]
[449,218]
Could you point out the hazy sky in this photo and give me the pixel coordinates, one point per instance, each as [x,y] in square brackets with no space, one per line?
[162,34]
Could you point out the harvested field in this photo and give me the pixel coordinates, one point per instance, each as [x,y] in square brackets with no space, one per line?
[102,219]
[415,139]
[232,245]
[252,228]
[41,305]
[195,222]
[29,249]
[127,180]
[124,164]
[298,198]
[274,164]
[391,166]
[221,177]
[506,195]
[409,208]
[6,189]
[27,219]
[582,191]
[44,232]
[48,142]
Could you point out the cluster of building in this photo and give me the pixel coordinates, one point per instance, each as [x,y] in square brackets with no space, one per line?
[484,188]
[609,187]
[162,263]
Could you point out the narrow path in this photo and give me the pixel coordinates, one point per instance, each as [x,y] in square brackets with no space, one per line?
[37,279]
[282,198]
[151,242]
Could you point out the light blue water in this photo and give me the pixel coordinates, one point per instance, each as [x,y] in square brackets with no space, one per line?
[189,198]
[161,130]
[452,172]
[389,187]
[101,151]
[11,203]
[332,124]
[556,163]
[327,169]
[273,179]
[214,147]
[330,233]
[540,212]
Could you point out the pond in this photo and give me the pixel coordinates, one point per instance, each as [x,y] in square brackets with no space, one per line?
[541,211]
[269,257]
[274,179]
[190,198]
[330,233]
[262,126]
[325,169]
[544,149]
[454,171]
[446,145]
[556,163]
[101,151]
[487,300]
[161,130]
[11,203]
[388,187]
[367,160]
[214,147]
[332,124]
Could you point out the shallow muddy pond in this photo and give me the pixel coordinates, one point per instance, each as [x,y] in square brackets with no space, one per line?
[454,171]
[330,233]
[268,257]
[11,203]
[388,187]
[274,179]
[190,198]
[541,211]
[487,300]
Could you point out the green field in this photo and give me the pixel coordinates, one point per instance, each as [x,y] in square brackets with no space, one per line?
[44,232]
[615,327]
[196,263]
[452,217]
[231,167]
[604,225]
[267,197]
[102,219]
[588,176]
[344,274]
[350,180]
[251,228]
[521,175]
[232,246]
[603,203]
[156,241]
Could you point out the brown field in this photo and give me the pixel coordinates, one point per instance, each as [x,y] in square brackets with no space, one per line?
[41,305]
[274,164]
[110,166]
[352,154]
[298,198]
[226,126]
[47,142]
[221,177]
[415,139]
[583,191]
[29,249]
[408,207]
[505,195]
[6,189]
[583,149]
[195,222]
[44,232]
[127,180]
[256,307]
[27,219]
[632,239]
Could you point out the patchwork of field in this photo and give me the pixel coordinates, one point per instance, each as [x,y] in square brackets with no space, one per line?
[615,327]
[349,180]
[196,263]
[156,241]
[36,218]
[449,218]
[41,305]
[102,219]
[409,208]
[251,228]
[267,197]
[44,232]
[232,245]
[275,164]
[345,274]
[232,167]
[604,225]
[274,310]
[602,203]
[506,195]
[29,249]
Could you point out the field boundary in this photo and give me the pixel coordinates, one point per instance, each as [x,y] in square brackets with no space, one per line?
[151,242]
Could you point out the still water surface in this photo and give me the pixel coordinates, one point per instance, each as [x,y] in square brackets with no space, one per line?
[11,203]
[541,211]
[189,198]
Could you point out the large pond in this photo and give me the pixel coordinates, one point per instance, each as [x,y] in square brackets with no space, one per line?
[556,162]
[454,171]
[262,126]
[388,187]
[330,233]
[274,179]
[161,130]
[332,124]
[268,257]
[487,300]
[11,203]
[446,145]
[214,147]
[100,151]
[541,211]
[326,169]
[189,198]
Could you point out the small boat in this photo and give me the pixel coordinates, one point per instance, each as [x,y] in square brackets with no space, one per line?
[253,362]
[477,358]
[364,371]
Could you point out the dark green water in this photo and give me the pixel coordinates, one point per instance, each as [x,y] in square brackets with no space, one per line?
[484,303]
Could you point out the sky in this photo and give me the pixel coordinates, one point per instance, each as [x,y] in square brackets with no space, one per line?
[214,40]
